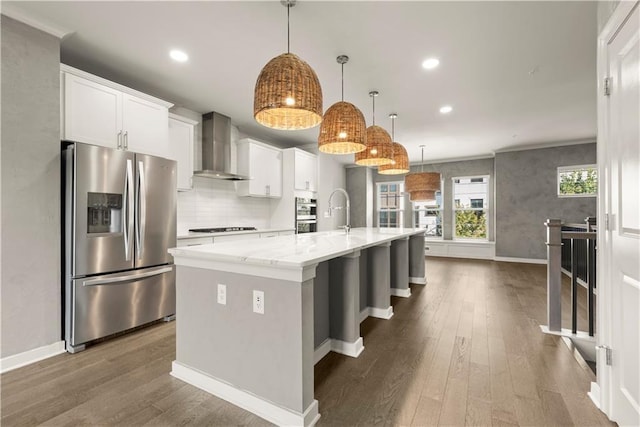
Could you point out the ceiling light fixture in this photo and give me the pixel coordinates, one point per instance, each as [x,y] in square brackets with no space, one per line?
[400,163]
[288,95]
[379,149]
[446,109]
[430,64]
[343,129]
[178,55]
[422,185]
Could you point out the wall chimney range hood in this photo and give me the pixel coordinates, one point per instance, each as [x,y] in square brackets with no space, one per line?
[216,148]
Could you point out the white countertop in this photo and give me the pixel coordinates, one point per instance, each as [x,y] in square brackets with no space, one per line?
[295,251]
[193,234]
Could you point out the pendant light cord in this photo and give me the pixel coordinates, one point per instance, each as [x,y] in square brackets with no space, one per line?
[373,98]
[342,66]
[288,31]
[393,129]
[422,163]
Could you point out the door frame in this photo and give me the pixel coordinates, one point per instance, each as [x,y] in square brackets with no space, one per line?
[601,390]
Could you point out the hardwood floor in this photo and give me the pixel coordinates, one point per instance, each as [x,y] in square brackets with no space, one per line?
[464,350]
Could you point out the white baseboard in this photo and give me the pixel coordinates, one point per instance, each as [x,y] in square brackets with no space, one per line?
[418,280]
[521,260]
[15,361]
[322,350]
[404,293]
[352,349]
[381,313]
[594,394]
[245,400]
[364,314]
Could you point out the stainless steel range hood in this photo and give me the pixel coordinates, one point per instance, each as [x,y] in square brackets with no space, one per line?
[216,148]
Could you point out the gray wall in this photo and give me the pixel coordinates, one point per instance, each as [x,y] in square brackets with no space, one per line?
[526,195]
[361,192]
[31,296]
[448,170]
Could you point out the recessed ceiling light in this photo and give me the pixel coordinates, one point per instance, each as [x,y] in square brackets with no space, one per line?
[178,55]
[430,64]
[446,109]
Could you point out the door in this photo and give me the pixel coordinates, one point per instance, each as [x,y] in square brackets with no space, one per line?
[306,171]
[92,112]
[155,210]
[145,126]
[100,209]
[623,236]
[106,304]
[181,135]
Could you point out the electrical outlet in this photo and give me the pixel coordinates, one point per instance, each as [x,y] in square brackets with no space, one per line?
[258,302]
[222,294]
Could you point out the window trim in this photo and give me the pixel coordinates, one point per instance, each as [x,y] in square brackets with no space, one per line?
[561,169]
[454,209]
[440,209]
[400,210]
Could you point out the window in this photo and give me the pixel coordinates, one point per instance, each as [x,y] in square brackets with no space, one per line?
[428,215]
[471,207]
[578,181]
[390,204]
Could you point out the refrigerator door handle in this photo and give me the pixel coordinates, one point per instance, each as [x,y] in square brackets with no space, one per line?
[141,210]
[128,277]
[127,210]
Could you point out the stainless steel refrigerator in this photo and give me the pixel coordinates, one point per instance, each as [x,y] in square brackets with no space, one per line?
[120,219]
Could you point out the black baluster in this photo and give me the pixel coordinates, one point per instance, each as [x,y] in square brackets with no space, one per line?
[574,286]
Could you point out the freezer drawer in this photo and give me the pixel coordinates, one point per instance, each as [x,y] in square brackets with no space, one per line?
[103,305]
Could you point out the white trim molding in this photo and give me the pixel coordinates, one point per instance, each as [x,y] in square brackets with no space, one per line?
[250,402]
[321,351]
[403,293]
[594,394]
[352,349]
[19,360]
[418,280]
[14,12]
[520,260]
[381,313]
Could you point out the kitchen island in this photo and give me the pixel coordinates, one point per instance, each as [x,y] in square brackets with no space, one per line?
[254,316]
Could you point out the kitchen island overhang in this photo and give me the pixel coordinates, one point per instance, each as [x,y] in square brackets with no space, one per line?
[312,304]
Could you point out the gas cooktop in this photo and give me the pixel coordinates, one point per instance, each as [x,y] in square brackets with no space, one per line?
[221,229]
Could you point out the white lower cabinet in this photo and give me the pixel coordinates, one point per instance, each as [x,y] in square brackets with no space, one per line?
[181,146]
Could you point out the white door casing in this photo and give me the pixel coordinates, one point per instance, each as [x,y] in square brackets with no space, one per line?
[619,212]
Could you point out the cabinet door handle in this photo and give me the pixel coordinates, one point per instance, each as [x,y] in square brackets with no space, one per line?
[119,142]
[307,184]
[126,140]
[267,189]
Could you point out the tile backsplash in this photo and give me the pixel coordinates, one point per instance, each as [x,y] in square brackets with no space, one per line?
[214,203]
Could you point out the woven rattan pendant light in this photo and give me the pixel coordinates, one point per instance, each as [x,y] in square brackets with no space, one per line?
[343,128]
[379,149]
[288,94]
[400,163]
[421,184]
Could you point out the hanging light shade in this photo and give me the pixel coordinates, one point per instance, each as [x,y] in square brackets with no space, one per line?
[343,129]
[379,150]
[422,195]
[400,160]
[288,94]
[421,181]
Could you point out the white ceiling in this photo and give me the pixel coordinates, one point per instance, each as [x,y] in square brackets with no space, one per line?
[516,73]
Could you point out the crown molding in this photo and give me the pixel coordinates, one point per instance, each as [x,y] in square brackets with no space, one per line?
[14,12]
[546,145]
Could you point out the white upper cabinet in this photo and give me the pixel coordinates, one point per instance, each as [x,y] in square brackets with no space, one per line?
[263,164]
[181,146]
[306,170]
[97,111]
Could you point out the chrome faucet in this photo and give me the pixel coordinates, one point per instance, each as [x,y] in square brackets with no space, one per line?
[347,226]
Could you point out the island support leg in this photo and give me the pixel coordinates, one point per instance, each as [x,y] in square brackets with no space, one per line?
[379,297]
[417,260]
[260,362]
[400,268]
[344,305]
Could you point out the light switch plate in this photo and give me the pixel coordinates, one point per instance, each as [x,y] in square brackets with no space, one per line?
[222,294]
